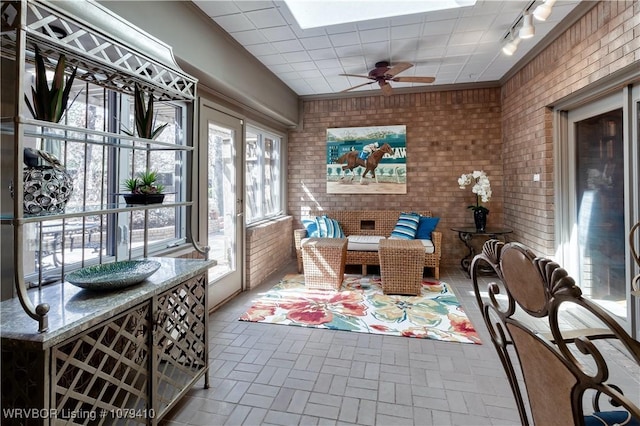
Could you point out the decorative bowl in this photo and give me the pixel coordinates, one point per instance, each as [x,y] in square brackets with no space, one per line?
[112,276]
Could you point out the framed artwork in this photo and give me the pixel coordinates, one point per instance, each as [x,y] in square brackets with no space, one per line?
[367,160]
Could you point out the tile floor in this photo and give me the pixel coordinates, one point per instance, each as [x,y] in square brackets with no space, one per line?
[264,374]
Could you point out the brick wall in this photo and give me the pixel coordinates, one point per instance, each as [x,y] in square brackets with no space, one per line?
[268,247]
[448,133]
[605,40]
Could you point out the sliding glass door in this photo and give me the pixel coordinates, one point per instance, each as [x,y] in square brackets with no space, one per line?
[597,199]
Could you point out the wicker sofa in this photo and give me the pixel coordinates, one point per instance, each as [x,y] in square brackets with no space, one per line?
[375,223]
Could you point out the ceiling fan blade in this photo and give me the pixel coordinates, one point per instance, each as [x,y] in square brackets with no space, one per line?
[356,75]
[386,89]
[355,87]
[414,79]
[397,69]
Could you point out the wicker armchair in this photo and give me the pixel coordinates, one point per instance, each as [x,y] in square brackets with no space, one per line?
[370,222]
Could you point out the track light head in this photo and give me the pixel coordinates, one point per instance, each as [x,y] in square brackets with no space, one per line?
[543,11]
[511,46]
[527,30]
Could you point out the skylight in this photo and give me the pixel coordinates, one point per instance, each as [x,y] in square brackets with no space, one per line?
[318,13]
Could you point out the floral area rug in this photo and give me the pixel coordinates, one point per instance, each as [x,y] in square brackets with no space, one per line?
[361,306]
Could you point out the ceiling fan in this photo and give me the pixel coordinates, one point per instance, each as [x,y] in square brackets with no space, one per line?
[383,74]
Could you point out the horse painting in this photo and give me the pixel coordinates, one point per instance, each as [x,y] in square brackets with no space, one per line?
[352,161]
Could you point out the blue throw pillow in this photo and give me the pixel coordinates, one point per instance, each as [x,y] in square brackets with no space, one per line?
[328,228]
[407,226]
[426,226]
[311,225]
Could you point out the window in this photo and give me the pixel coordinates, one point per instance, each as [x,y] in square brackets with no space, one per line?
[263,175]
[98,165]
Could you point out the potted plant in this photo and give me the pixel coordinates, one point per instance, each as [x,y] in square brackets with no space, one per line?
[482,189]
[47,186]
[143,114]
[49,104]
[144,189]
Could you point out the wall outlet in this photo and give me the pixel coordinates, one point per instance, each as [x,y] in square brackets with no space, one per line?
[536,177]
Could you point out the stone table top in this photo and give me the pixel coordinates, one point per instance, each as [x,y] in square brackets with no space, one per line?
[73,309]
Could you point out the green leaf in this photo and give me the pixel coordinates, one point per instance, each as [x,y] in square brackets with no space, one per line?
[49,104]
[158,130]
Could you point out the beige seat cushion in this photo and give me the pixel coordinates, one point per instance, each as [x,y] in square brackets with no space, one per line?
[364,242]
[428,246]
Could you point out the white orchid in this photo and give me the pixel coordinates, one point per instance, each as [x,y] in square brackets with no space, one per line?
[481,187]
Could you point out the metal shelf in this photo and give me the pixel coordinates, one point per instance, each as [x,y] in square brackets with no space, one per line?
[108,52]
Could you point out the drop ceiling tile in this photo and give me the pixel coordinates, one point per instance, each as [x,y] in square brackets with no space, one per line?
[278,33]
[249,5]
[438,27]
[373,24]
[215,9]
[474,23]
[294,57]
[310,32]
[310,74]
[288,46]
[293,75]
[430,42]
[341,28]
[353,64]
[266,18]
[328,64]
[426,70]
[272,59]
[248,38]
[344,39]
[405,46]
[261,49]
[313,43]
[441,15]
[469,37]
[380,50]
[304,66]
[465,49]
[406,31]
[320,54]
[281,68]
[431,52]
[415,18]
[347,51]
[377,35]
[233,23]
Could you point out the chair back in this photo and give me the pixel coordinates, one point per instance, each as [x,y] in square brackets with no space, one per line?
[634,245]
[550,368]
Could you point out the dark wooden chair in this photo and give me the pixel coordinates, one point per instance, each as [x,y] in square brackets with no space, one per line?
[552,369]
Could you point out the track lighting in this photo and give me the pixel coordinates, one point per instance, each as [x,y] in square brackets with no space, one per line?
[527,30]
[512,45]
[543,11]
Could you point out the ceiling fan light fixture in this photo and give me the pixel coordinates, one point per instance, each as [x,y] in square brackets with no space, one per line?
[527,30]
[543,11]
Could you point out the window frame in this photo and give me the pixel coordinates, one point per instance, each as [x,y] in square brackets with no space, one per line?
[262,133]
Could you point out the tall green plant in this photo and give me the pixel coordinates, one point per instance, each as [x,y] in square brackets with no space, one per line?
[144,116]
[49,104]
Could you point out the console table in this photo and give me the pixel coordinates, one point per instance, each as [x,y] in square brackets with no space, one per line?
[466,234]
[125,356]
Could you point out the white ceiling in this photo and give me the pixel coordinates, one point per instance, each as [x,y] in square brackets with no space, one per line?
[454,46]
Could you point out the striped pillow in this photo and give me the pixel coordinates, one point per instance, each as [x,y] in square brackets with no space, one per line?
[311,225]
[329,228]
[407,226]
